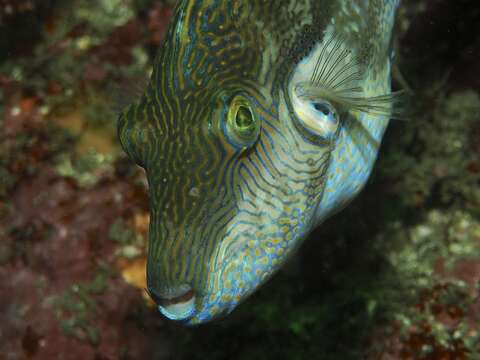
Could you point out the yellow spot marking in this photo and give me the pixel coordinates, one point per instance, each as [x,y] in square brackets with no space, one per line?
[269,250]
[264,260]
[214,310]
[276,241]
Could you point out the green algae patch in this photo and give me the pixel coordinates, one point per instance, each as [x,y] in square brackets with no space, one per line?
[434,243]
[84,169]
[77,308]
[440,262]
[438,154]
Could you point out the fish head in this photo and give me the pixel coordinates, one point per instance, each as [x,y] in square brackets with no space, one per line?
[236,149]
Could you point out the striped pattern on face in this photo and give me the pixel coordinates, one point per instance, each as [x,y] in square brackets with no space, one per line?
[225,216]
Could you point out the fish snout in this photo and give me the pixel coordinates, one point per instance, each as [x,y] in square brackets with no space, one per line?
[177,303]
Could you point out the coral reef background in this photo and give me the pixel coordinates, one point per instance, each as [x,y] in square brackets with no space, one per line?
[396,275]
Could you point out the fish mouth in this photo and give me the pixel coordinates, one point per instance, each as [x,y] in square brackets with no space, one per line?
[178,304]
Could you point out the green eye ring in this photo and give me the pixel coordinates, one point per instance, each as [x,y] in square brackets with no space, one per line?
[243,127]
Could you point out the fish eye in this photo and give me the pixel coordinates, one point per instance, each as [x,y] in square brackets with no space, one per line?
[243,128]
[244,121]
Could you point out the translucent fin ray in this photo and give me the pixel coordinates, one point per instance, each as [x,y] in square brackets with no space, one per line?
[338,77]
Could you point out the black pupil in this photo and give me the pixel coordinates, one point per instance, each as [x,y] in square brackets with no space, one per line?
[322,108]
[244,118]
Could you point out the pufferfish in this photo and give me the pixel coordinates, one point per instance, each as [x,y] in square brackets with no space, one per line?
[261,119]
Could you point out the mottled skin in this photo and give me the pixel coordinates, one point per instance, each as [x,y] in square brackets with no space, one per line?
[228,207]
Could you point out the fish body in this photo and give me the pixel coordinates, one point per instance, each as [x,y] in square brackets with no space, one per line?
[261,119]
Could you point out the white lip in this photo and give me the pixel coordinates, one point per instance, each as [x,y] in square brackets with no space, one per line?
[178,303]
[178,311]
